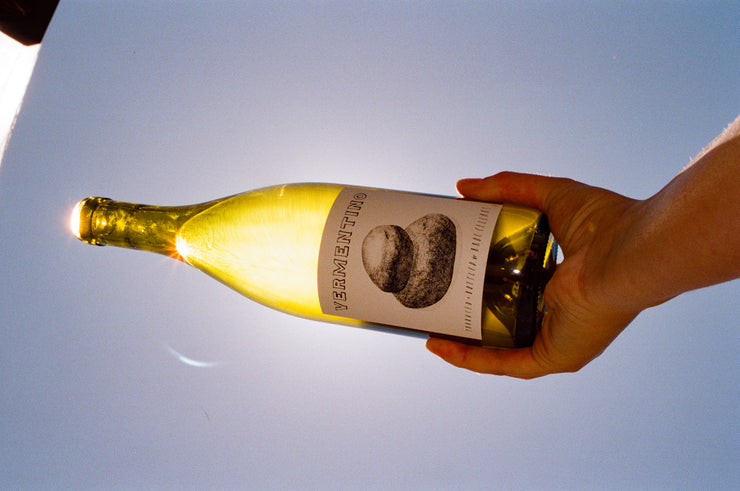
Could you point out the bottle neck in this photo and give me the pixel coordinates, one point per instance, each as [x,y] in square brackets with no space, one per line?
[101,221]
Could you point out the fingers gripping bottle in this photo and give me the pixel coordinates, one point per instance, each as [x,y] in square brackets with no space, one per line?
[460,269]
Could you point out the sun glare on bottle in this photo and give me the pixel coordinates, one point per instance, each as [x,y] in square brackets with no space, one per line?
[182,248]
[74,221]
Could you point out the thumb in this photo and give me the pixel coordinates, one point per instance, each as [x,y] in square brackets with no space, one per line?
[510,187]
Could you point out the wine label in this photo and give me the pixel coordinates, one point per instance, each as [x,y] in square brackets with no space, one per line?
[407,260]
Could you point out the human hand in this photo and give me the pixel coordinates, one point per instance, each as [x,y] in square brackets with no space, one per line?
[621,256]
[587,301]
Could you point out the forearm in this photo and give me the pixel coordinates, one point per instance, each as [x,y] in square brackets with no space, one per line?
[687,236]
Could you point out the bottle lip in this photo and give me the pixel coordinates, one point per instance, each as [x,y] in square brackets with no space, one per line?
[81,219]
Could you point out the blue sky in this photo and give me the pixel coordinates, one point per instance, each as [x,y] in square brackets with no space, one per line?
[180,102]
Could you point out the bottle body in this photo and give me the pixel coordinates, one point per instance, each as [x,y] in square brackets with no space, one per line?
[266,244]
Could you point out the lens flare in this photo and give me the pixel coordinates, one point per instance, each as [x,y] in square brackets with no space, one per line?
[189,361]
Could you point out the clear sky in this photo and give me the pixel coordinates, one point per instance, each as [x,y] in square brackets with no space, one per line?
[179,102]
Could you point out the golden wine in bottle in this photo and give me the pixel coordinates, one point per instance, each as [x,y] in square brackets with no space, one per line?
[466,270]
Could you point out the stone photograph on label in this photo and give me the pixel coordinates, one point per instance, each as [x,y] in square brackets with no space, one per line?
[414,264]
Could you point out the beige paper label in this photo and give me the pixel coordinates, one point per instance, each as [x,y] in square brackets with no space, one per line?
[407,260]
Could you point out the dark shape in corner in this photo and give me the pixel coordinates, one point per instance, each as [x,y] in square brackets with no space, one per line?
[26,20]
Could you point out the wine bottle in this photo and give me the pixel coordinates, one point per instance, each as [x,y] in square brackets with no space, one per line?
[466,270]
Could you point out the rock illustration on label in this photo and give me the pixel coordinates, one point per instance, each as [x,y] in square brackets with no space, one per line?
[415,264]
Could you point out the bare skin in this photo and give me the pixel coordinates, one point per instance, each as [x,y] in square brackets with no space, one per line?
[687,236]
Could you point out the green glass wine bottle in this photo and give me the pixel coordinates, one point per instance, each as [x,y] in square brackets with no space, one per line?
[465,270]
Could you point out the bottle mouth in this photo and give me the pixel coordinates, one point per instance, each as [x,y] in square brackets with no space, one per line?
[81,220]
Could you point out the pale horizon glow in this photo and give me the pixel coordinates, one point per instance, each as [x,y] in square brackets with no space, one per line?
[16,66]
